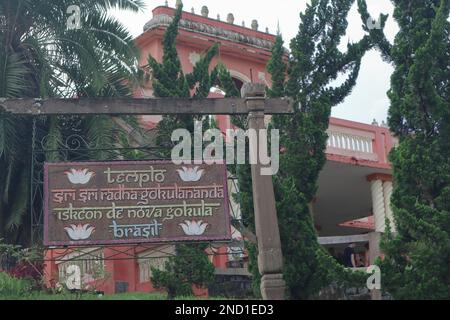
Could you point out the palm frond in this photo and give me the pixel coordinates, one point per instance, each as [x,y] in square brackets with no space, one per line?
[20,204]
[54,139]
[8,136]
[101,134]
[132,5]
[13,75]
[7,182]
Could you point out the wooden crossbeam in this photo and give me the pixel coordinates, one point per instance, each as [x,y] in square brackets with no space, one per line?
[131,106]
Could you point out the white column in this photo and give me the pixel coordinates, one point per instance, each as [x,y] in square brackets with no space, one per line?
[381,203]
[387,194]
[378,205]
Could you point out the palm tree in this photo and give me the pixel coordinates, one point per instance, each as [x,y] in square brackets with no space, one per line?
[56,48]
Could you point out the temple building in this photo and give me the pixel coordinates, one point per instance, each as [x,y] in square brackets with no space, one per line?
[355,186]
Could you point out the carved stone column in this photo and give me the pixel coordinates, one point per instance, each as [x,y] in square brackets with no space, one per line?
[381,188]
[387,194]
[379,213]
[270,258]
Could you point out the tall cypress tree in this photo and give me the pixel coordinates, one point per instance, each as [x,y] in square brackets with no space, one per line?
[315,62]
[277,69]
[191,264]
[418,254]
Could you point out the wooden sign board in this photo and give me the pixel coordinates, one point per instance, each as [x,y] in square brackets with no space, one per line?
[106,203]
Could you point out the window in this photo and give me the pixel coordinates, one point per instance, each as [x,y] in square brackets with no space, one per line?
[155,258]
[92,266]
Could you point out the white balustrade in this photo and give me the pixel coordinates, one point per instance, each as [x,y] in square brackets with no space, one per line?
[350,142]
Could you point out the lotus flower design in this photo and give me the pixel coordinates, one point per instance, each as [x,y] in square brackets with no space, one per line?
[190,174]
[82,176]
[79,232]
[194,228]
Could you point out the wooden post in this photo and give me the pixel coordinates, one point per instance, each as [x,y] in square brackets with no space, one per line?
[270,258]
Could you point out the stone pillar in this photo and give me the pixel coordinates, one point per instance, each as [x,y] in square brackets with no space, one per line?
[374,247]
[270,258]
[379,214]
[381,188]
[387,194]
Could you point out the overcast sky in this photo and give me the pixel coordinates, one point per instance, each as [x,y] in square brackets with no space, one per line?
[368,100]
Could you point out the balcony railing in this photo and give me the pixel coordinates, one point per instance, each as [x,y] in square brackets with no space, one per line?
[370,144]
[350,142]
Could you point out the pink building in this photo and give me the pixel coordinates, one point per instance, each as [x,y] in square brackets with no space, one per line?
[355,186]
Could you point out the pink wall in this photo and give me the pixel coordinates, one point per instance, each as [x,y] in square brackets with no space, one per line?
[236,64]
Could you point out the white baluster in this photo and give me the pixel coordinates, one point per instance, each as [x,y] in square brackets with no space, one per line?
[358,145]
[353,142]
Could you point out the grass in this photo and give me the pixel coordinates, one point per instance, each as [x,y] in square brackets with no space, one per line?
[19,289]
[88,296]
[95,297]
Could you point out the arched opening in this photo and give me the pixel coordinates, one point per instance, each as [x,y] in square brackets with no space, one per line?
[238,83]
[217,91]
